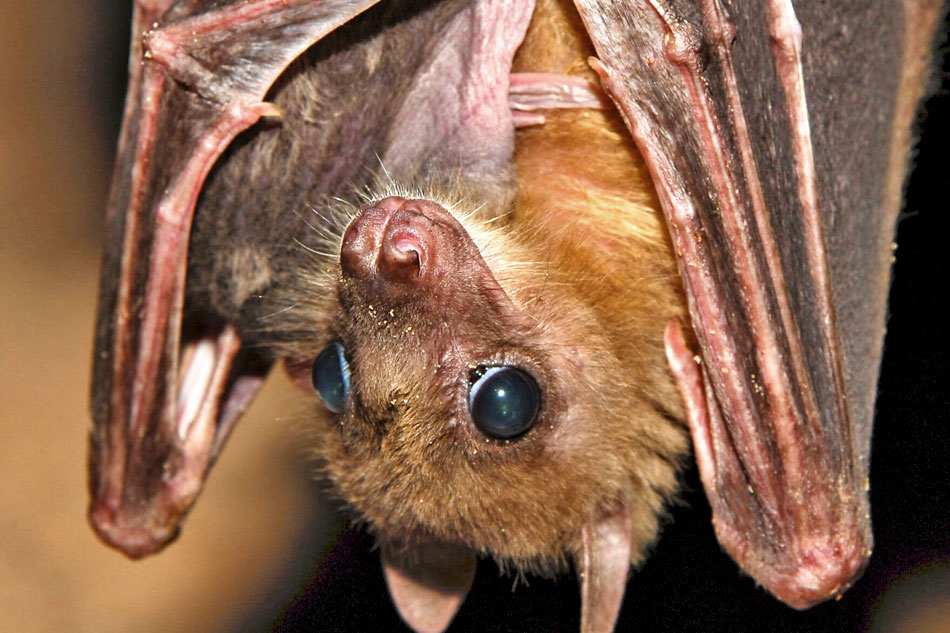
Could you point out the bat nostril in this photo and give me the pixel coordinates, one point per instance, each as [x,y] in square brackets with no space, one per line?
[407,244]
[361,242]
[397,242]
[353,256]
[403,256]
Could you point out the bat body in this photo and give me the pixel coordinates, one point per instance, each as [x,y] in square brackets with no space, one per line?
[486,327]
[571,284]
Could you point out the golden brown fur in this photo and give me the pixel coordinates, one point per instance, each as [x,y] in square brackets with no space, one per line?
[585,188]
[585,261]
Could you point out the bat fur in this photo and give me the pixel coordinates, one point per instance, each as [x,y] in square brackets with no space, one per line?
[583,254]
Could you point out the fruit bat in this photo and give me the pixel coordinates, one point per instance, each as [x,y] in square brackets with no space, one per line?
[444,218]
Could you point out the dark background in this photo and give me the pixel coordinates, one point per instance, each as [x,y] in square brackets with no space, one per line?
[259,548]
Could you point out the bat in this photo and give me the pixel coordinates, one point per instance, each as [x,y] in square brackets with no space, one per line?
[469,273]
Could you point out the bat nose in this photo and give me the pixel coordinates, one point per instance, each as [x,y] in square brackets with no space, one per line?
[394,241]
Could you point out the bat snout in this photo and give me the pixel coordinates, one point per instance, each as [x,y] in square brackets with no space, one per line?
[397,241]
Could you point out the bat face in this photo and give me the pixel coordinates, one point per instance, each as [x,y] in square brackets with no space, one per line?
[455,398]
[468,384]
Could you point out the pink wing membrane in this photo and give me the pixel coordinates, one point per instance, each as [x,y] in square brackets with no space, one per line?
[148,456]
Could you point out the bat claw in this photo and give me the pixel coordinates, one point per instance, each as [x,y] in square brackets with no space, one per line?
[265,109]
[526,119]
[689,380]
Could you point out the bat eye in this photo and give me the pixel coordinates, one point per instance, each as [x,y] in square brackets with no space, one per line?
[503,401]
[331,376]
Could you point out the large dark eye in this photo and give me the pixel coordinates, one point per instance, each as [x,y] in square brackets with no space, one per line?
[331,376]
[504,401]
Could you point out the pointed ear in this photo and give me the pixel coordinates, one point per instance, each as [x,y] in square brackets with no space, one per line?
[428,582]
[603,564]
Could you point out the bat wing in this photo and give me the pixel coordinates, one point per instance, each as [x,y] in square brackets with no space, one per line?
[758,128]
[162,406]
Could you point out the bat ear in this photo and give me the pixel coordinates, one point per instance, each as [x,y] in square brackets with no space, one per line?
[428,582]
[602,565]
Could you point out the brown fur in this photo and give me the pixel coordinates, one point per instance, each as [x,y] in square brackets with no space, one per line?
[589,281]
[921,19]
[585,188]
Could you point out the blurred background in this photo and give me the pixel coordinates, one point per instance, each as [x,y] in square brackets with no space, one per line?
[261,547]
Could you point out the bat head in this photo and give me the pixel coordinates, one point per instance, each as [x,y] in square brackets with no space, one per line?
[467,398]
